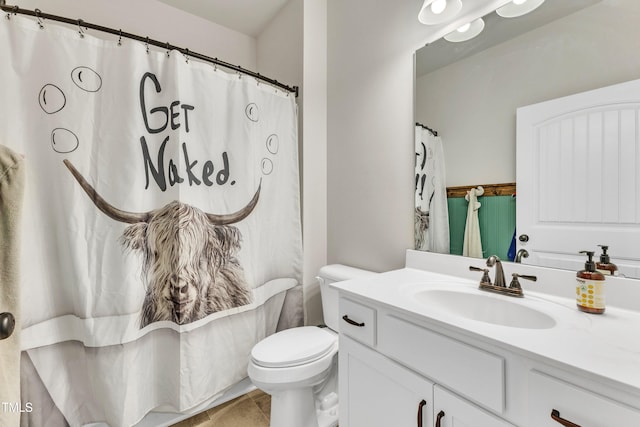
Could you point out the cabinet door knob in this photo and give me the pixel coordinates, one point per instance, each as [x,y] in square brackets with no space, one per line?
[439,418]
[555,415]
[352,322]
[420,406]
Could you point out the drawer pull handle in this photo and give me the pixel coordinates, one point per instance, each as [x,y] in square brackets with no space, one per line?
[420,406]
[439,418]
[555,414]
[352,322]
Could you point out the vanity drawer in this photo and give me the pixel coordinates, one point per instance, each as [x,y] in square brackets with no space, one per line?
[472,372]
[574,404]
[358,321]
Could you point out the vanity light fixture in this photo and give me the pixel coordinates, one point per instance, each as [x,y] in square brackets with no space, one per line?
[438,11]
[517,8]
[466,31]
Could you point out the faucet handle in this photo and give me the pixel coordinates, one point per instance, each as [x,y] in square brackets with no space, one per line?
[515,284]
[485,277]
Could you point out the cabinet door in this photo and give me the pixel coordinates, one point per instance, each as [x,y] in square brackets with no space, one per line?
[376,392]
[453,411]
[571,405]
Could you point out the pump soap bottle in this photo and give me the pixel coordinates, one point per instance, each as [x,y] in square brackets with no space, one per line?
[605,266]
[590,287]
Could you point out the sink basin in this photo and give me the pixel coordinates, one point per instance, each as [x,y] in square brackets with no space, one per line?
[497,310]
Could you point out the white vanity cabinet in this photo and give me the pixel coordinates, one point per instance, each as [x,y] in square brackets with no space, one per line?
[377,391]
[395,365]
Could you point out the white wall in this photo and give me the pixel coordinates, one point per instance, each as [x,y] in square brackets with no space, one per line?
[157,21]
[315,152]
[473,102]
[280,45]
[370,154]
[293,49]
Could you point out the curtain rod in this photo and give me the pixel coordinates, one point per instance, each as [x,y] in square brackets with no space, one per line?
[189,54]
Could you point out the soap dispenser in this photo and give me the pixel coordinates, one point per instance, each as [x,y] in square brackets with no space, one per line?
[605,266]
[590,287]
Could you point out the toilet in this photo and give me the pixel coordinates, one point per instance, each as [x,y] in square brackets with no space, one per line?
[298,367]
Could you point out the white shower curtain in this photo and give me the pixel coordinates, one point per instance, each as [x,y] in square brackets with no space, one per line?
[161,229]
[431,209]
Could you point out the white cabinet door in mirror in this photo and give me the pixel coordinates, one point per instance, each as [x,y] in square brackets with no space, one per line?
[578,185]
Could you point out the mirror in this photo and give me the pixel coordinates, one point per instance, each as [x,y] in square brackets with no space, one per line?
[469,92]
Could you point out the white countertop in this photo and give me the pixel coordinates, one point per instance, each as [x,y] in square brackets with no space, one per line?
[602,347]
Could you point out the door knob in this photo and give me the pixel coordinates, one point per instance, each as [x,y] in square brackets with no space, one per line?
[7,325]
[523,238]
[522,253]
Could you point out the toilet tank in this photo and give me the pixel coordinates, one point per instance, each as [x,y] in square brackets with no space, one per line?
[330,274]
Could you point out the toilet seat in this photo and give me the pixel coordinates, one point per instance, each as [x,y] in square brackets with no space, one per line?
[294,347]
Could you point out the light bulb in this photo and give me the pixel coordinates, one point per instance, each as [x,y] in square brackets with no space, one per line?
[464,28]
[434,12]
[466,31]
[438,6]
[517,8]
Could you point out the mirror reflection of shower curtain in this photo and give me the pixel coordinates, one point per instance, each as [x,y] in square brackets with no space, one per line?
[431,211]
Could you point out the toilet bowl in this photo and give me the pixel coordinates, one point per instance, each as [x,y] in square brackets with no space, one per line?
[298,367]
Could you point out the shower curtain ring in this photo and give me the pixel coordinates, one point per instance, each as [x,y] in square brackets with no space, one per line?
[146,44]
[80,32]
[168,49]
[14,11]
[186,56]
[38,12]
[120,37]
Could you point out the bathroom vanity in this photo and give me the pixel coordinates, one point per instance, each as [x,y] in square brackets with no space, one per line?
[419,347]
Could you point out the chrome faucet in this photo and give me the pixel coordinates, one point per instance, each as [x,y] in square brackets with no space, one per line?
[514,289]
[494,260]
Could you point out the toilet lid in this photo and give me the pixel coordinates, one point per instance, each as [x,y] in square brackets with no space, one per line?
[292,347]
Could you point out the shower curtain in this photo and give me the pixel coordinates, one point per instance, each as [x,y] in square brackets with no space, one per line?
[161,233]
[431,209]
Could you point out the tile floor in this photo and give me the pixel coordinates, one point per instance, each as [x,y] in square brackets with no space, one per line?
[249,410]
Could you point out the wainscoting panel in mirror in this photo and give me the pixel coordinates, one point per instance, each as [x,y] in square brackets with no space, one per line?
[469,92]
